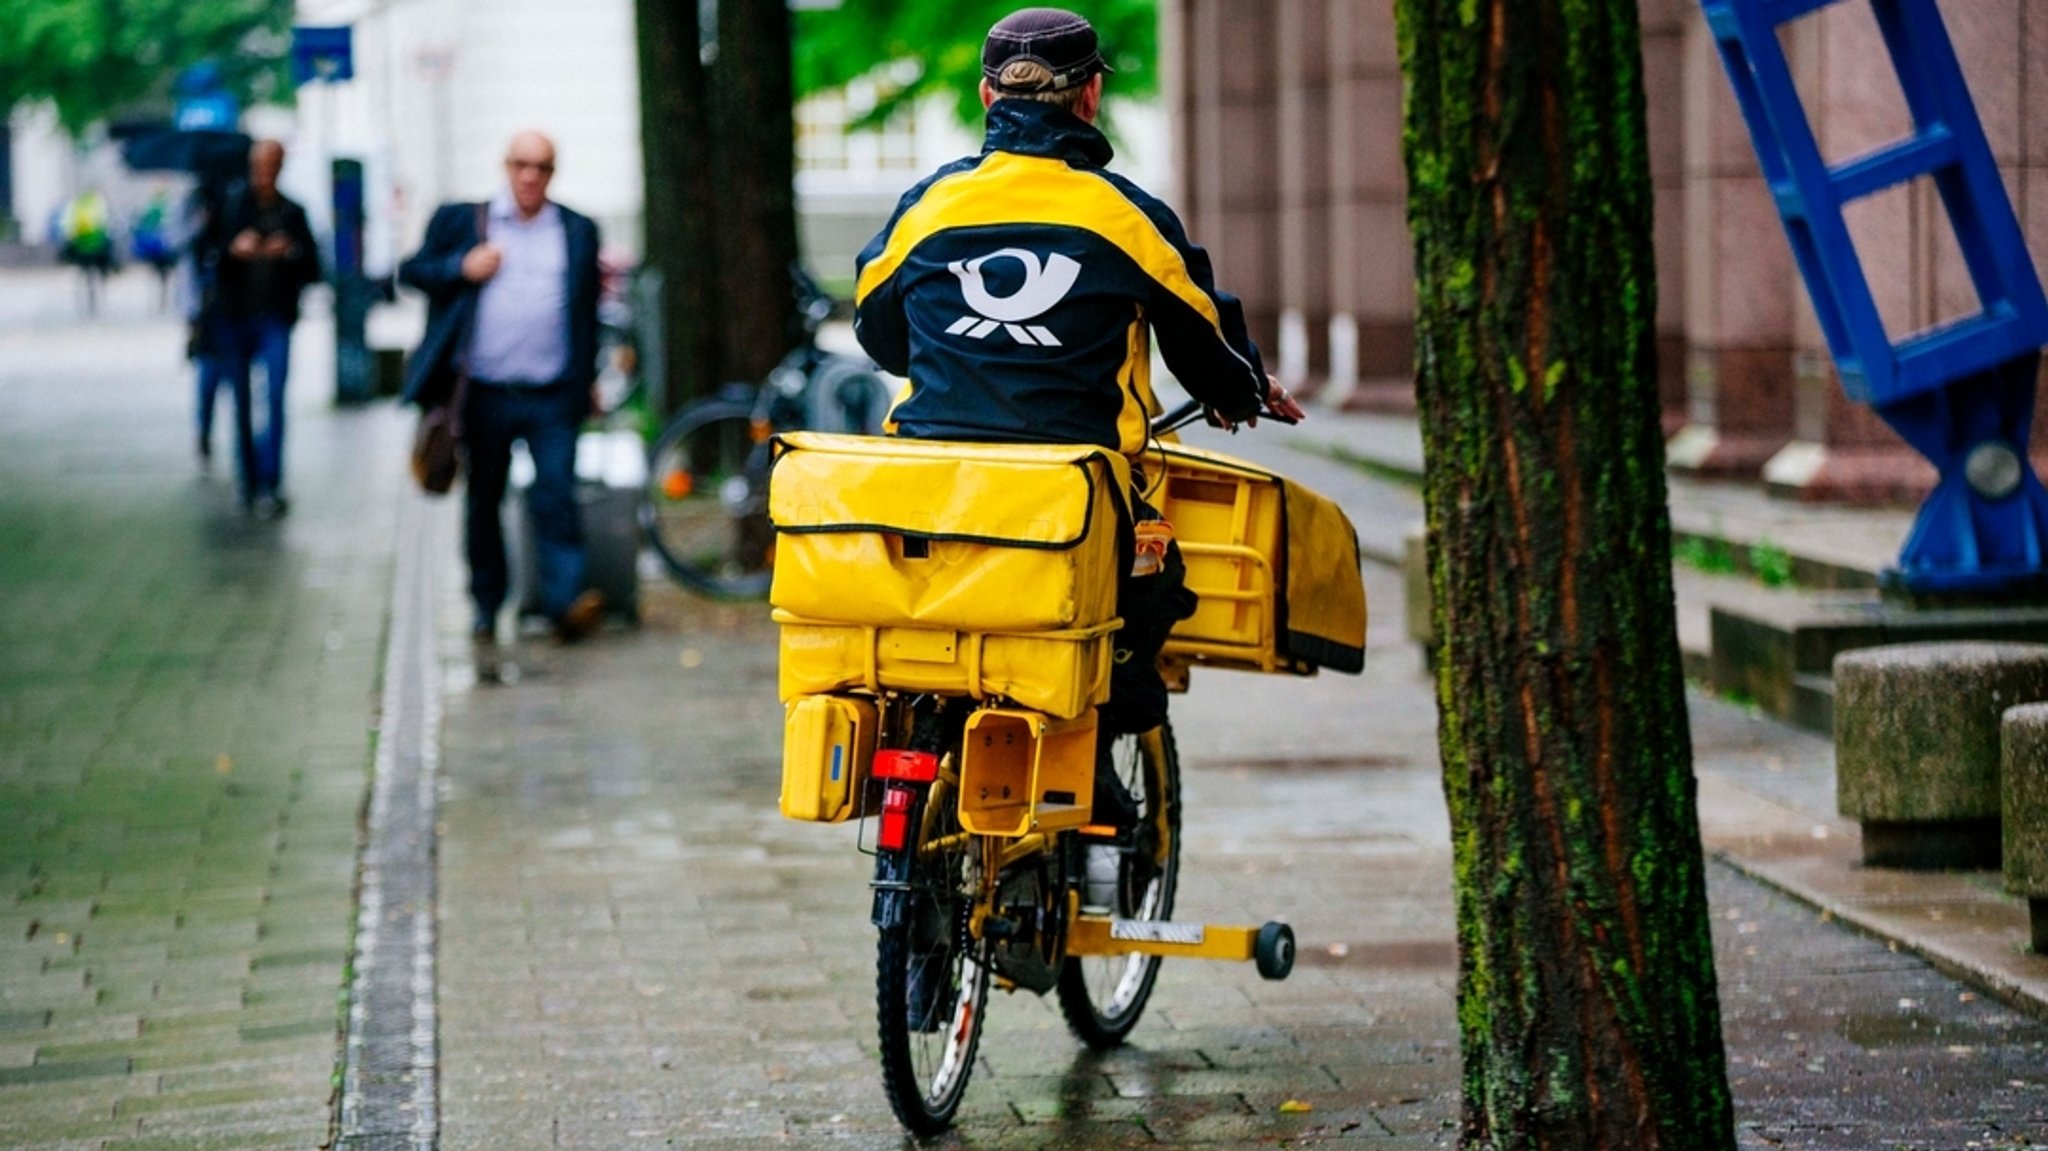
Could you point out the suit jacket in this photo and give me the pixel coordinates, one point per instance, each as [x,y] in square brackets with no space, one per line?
[436,269]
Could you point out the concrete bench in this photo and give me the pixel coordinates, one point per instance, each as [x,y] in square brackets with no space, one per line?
[1917,746]
[2023,781]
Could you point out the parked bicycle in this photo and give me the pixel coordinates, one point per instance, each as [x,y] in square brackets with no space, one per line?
[706,507]
[946,613]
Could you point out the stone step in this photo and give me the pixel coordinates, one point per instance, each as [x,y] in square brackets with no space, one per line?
[1776,651]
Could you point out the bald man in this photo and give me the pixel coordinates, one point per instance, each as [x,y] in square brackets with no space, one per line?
[260,254]
[512,289]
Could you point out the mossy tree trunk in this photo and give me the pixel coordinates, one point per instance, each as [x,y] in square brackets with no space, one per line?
[1586,998]
[680,211]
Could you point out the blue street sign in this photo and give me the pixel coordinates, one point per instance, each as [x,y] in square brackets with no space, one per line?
[325,54]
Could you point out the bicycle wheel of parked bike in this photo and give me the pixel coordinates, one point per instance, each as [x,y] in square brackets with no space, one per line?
[847,396]
[1103,996]
[706,507]
[931,979]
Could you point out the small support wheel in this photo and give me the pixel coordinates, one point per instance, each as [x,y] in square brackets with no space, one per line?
[1274,951]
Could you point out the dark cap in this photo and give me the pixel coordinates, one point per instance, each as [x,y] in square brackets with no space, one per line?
[1063,41]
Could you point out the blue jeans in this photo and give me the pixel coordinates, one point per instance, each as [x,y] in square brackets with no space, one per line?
[210,380]
[547,419]
[242,342]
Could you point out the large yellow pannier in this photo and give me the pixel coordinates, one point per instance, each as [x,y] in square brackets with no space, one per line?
[1275,566]
[935,566]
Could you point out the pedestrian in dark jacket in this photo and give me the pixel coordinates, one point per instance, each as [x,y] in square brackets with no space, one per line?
[512,287]
[262,256]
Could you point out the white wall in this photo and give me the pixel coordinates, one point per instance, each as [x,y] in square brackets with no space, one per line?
[440,86]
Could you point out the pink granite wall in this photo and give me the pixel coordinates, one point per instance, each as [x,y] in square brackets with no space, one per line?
[1289,117]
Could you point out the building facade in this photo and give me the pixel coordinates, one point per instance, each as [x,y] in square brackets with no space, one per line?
[1288,116]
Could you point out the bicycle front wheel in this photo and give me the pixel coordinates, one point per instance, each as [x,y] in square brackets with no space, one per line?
[706,506]
[1103,996]
[932,976]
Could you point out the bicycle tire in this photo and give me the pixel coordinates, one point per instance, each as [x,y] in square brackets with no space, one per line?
[929,1037]
[848,397]
[1102,997]
[705,510]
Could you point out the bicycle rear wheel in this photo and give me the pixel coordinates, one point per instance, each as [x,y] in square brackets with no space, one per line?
[706,506]
[1103,996]
[931,976]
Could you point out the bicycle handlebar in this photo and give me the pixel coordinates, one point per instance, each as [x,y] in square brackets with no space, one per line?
[1192,410]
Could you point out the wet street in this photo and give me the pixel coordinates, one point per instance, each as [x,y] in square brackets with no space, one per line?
[630,948]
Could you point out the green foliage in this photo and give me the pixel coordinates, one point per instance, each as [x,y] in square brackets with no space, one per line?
[942,41]
[98,58]
[1771,564]
[1709,554]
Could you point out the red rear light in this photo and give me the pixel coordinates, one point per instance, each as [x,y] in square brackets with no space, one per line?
[896,805]
[910,766]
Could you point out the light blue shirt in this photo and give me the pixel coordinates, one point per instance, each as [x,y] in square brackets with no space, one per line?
[521,334]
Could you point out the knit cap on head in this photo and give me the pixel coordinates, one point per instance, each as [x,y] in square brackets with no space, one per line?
[1062,42]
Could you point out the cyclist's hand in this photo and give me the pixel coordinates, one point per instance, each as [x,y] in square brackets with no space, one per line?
[480,263]
[1281,404]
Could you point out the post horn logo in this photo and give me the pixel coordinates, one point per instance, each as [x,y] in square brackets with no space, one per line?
[1043,287]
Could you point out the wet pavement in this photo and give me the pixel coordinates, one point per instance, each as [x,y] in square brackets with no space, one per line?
[185,724]
[635,950]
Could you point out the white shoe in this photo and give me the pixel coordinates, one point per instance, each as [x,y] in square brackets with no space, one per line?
[1101,878]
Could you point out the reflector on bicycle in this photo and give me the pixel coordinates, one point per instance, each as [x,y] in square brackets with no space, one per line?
[911,766]
[895,829]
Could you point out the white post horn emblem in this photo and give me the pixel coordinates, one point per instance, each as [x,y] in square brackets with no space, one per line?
[1043,287]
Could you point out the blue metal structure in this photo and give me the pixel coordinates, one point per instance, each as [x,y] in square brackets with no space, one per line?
[1962,393]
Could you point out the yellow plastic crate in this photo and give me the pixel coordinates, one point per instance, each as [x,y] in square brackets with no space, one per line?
[1023,771]
[1275,566]
[1227,520]
[1061,673]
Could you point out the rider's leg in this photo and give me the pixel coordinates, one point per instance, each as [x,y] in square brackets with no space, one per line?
[1150,605]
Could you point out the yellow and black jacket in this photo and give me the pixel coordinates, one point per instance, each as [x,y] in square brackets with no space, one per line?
[1017,290]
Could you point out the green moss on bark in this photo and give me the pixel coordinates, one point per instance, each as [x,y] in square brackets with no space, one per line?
[1586,1000]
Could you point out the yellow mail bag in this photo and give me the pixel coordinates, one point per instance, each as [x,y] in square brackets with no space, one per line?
[908,565]
[967,537]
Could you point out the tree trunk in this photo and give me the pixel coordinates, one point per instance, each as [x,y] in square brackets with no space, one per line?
[1586,998]
[756,177]
[680,208]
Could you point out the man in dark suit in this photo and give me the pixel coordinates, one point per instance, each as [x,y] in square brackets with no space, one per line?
[512,287]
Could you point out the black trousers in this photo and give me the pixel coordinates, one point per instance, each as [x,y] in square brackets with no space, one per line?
[1150,605]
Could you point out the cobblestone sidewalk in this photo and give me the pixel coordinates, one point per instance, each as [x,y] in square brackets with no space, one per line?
[638,952]
[186,710]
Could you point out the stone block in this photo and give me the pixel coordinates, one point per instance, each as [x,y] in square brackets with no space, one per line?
[1917,746]
[1415,593]
[2023,787]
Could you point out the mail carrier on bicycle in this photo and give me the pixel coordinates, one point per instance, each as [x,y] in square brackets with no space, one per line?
[1020,290]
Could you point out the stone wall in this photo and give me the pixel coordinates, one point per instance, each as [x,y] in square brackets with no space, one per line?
[1288,113]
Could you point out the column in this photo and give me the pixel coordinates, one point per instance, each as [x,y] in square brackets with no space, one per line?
[1739,284]
[1371,256]
[1301,360]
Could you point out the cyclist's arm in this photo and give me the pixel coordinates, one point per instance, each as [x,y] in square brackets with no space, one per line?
[879,321]
[1201,330]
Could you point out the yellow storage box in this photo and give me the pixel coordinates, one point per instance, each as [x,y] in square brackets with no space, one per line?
[828,741]
[964,537]
[1021,772]
[1275,565]
[915,565]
